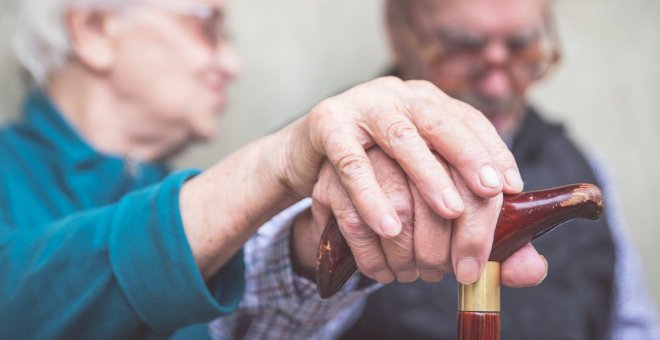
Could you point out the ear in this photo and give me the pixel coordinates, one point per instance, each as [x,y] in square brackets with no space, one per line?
[93,38]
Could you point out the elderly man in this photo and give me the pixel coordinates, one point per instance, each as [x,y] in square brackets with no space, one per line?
[489,53]
[97,240]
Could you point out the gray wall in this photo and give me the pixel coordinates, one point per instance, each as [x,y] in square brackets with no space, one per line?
[607,90]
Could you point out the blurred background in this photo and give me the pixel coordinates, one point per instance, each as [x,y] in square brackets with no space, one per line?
[297,52]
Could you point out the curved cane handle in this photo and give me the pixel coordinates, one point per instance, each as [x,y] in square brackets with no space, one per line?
[523,217]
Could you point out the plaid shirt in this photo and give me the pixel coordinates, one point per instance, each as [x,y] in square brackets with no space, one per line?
[281,305]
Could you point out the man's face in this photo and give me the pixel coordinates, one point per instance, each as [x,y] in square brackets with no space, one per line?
[174,63]
[484,52]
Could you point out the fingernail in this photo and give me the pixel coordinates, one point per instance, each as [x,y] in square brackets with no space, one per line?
[408,275]
[384,276]
[467,270]
[390,226]
[546,272]
[452,200]
[489,177]
[431,275]
[512,177]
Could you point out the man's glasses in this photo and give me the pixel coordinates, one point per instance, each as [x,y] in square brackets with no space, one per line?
[456,53]
[207,20]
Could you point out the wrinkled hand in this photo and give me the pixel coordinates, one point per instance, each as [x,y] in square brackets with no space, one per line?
[409,121]
[429,245]
[412,122]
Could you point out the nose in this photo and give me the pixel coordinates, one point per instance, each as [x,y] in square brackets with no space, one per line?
[495,82]
[496,53]
[228,61]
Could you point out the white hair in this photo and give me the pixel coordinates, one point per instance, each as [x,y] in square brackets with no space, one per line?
[40,38]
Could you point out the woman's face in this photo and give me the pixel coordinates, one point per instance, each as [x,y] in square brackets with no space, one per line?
[173,63]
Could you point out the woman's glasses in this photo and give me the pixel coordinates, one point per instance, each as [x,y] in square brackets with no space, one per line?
[208,21]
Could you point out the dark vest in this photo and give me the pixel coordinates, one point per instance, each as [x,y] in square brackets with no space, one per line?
[574,301]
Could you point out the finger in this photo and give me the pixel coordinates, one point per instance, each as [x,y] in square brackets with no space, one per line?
[399,250]
[484,130]
[524,268]
[502,156]
[449,126]
[432,240]
[389,126]
[398,135]
[365,246]
[399,253]
[352,165]
[472,237]
[330,196]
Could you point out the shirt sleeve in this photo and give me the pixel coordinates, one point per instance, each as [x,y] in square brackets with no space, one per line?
[123,271]
[634,315]
[278,304]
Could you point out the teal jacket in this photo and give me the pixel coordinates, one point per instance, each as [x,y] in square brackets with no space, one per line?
[91,245]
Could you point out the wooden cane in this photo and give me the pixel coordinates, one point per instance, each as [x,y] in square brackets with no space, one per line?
[523,217]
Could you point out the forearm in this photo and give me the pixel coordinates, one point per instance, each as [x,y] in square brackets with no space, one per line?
[223,207]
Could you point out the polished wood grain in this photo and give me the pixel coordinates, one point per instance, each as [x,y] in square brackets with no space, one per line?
[334,262]
[523,218]
[477,326]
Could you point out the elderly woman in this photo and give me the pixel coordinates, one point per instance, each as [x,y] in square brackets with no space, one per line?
[98,240]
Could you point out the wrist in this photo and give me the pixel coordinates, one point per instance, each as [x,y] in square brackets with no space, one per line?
[297,161]
[303,245]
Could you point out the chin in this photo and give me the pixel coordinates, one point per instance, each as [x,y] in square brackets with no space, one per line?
[206,132]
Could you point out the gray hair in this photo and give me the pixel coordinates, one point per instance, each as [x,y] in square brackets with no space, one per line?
[40,38]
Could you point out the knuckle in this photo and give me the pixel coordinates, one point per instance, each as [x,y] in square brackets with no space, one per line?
[475,240]
[435,122]
[389,80]
[465,110]
[324,109]
[369,264]
[473,154]
[430,275]
[403,265]
[424,84]
[405,211]
[433,259]
[399,253]
[354,227]
[417,82]
[351,166]
[408,275]
[401,132]
[383,83]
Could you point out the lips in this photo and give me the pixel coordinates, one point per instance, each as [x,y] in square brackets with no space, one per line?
[216,86]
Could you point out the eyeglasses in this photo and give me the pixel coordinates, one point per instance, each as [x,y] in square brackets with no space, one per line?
[530,55]
[207,20]
[456,53]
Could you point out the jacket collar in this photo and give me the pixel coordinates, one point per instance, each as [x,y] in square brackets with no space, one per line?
[43,121]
